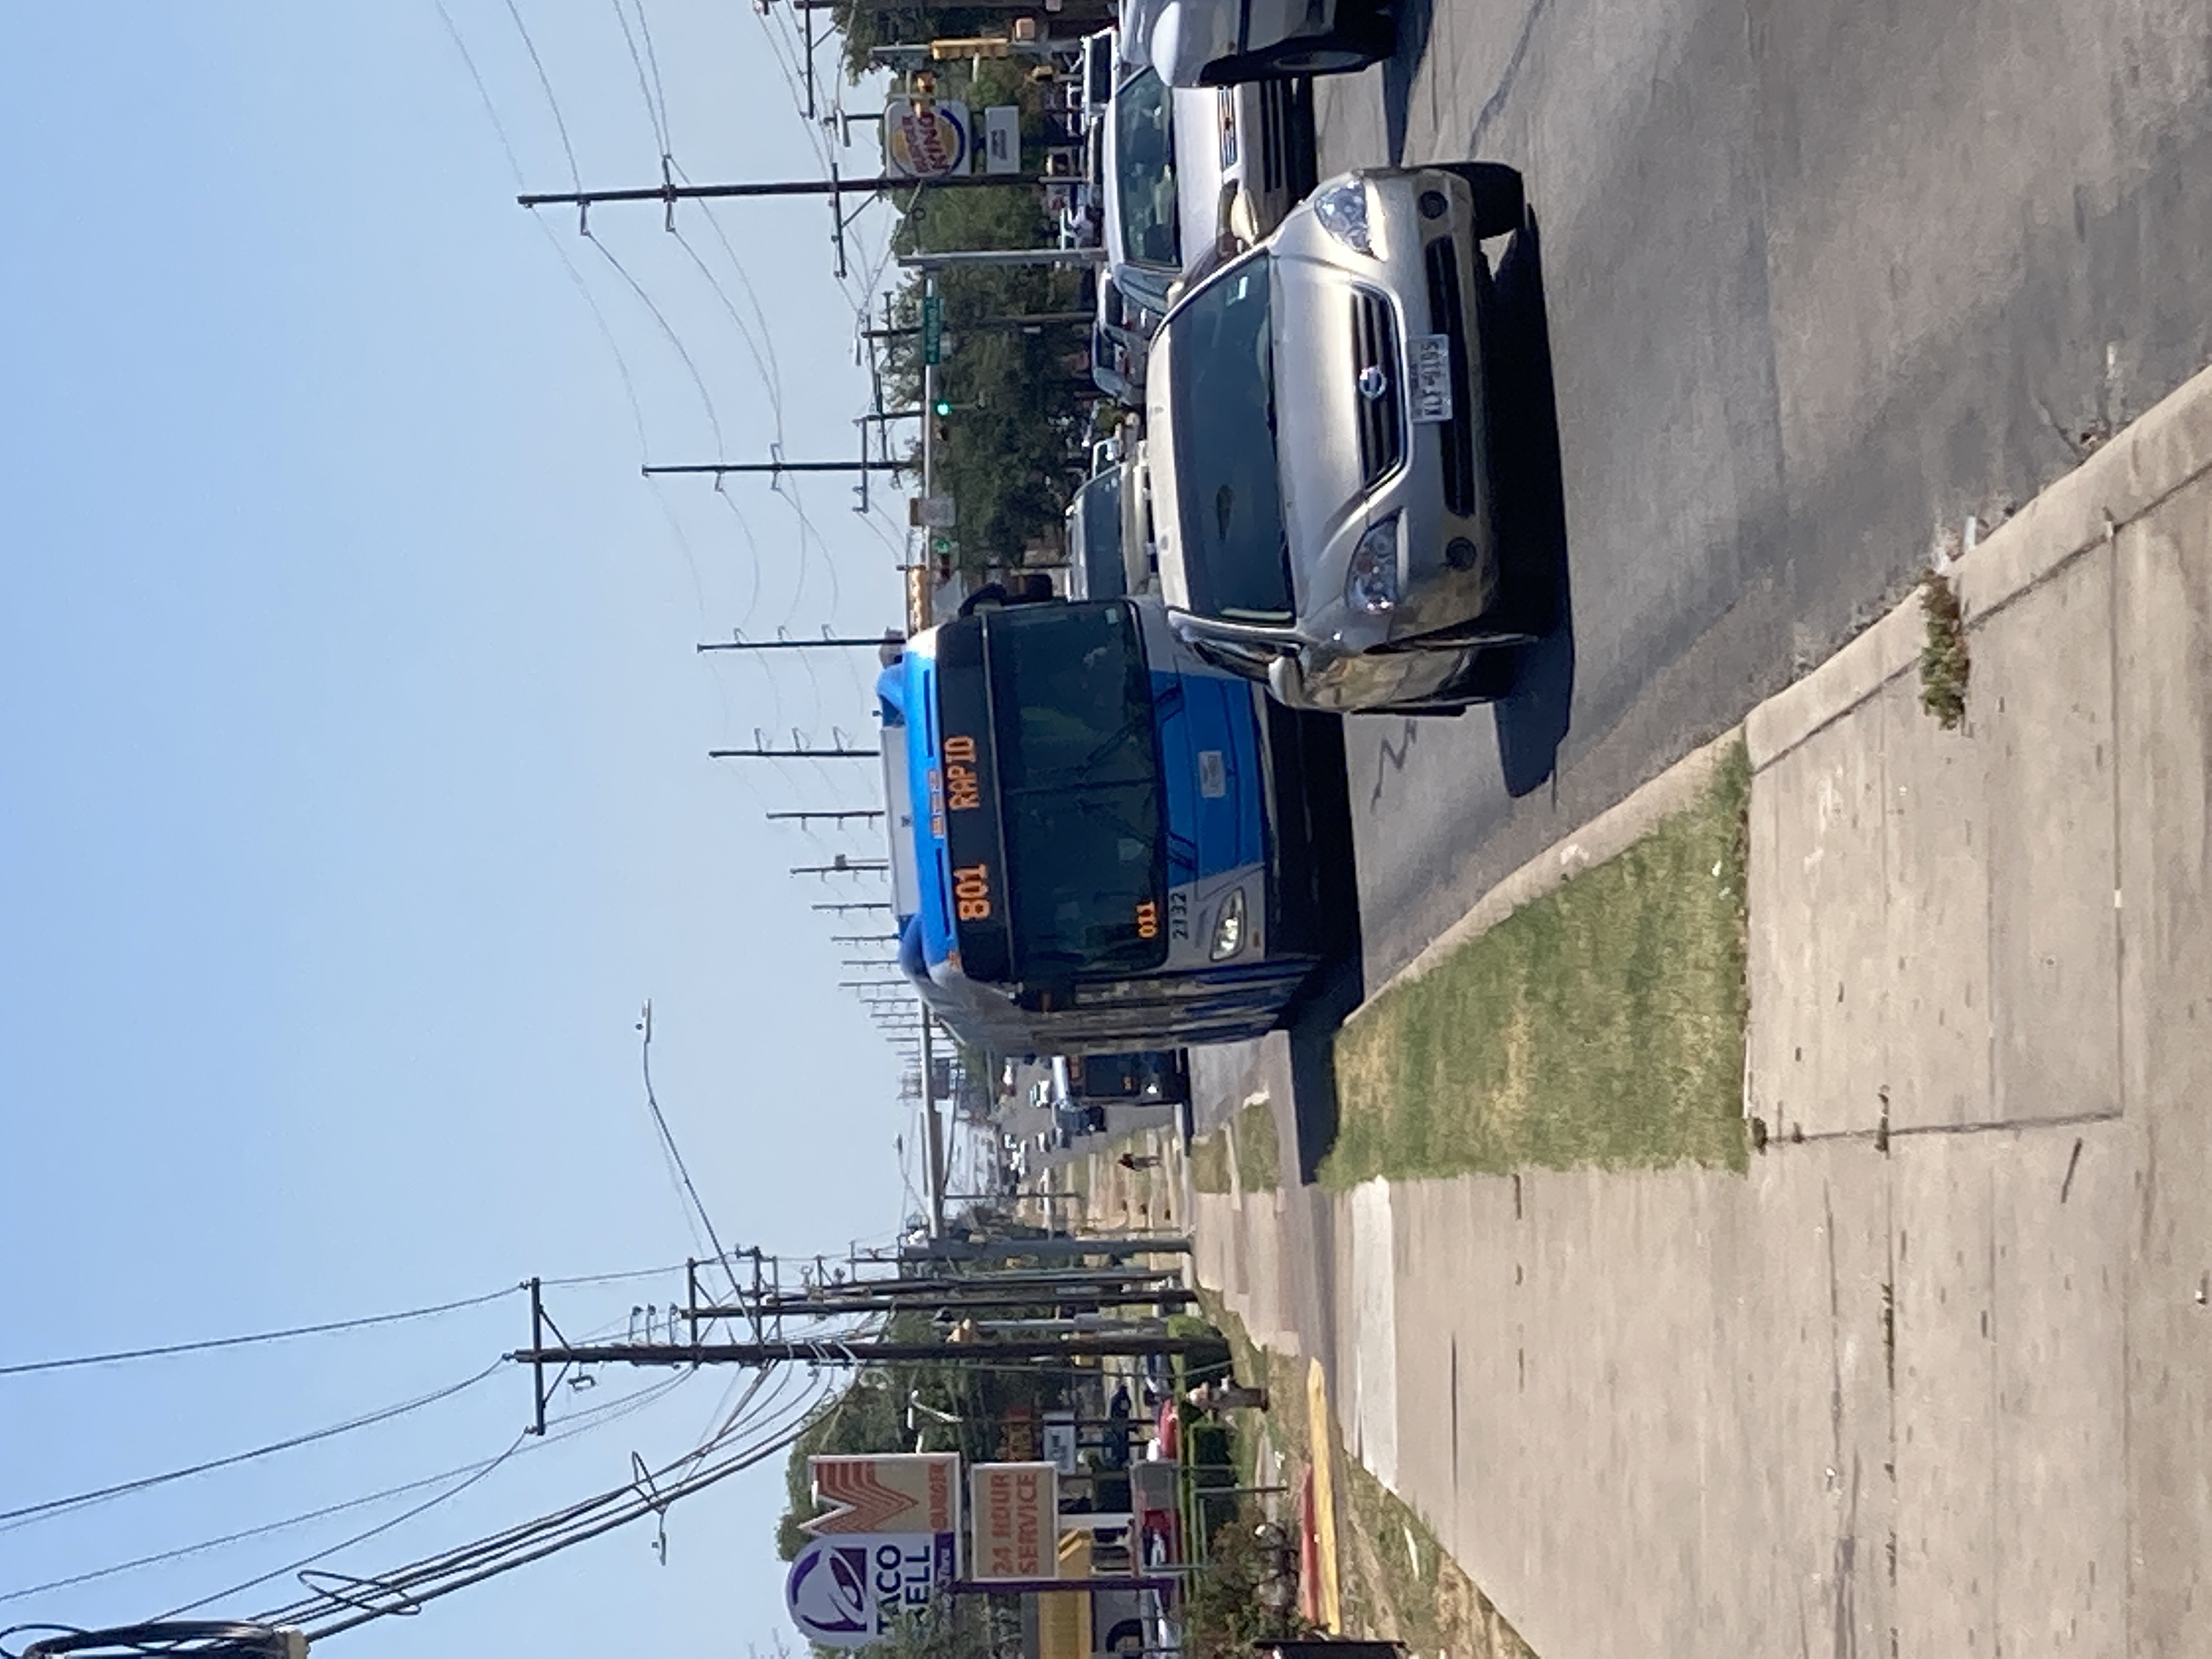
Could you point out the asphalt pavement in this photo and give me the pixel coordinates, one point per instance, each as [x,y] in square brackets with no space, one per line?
[1805,286]
[1820,282]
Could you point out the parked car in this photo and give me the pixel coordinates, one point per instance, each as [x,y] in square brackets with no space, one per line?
[1320,457]
[1212,42]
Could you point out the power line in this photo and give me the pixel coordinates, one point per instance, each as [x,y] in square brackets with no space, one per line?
[668,1139]
[381,1526]
[578,1423]
[210,1344]
[360,1600]
[11,1519]
[656,114]
[545,82]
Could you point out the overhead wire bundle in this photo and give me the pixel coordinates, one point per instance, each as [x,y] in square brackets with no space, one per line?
[751,1430]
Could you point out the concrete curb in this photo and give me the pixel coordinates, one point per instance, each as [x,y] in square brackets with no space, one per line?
[2163,452]
[1608,834]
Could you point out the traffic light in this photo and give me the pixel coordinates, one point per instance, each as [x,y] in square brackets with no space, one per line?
[942,408]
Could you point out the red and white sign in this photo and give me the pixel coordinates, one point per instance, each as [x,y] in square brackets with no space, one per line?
[1016,1510]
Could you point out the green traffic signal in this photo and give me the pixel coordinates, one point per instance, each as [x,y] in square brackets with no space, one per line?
[943,406]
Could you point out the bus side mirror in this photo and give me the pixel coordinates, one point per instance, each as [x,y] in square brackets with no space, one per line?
[1286,680]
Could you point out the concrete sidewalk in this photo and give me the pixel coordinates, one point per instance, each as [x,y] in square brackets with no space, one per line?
[1936,1375]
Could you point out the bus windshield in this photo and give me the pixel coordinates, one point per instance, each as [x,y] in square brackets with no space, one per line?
[1080,792]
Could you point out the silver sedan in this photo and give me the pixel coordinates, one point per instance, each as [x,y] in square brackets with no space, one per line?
[1320,454]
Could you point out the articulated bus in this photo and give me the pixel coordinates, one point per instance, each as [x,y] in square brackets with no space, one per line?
[1099,840]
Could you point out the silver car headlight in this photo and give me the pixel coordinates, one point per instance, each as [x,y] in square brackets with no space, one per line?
[1370,579]
[1342,210]
[1228,929]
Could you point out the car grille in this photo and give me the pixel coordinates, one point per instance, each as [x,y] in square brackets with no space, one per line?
[1448,316]
[1382,422]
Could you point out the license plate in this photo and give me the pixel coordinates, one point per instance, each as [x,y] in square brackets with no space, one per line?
[1431,357]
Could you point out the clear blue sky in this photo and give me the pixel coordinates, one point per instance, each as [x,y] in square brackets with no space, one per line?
[354,792]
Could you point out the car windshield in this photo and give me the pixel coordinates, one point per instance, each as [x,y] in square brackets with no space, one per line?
[1080,782]
[1235,552]
[1094,540]
[1143,172]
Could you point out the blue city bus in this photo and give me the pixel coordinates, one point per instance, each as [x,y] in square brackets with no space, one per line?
[1100,841]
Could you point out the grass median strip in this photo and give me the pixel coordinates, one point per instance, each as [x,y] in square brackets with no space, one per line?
[1259,1153]
[1602,1023]
[1250,1139]
[1209,1162]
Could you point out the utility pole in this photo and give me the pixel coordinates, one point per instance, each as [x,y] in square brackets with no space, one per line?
[864,938]
[668,192]
[842,642]
[986,1297]
[929,395]
[718,468]
[764,753]
[671,193]
[839,814]
[843,866]
[1010,324]
[989,257]
[936,1131]
[1003,1250]
[1085,1344]
[841,909]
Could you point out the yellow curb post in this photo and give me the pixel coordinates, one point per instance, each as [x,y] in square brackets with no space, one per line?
[1324,1496]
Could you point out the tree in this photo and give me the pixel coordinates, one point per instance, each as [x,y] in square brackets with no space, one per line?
[949,1627]
[865,27]
[1020,402]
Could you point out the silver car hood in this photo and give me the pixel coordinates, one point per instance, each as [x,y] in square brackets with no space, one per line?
[1316,434]
[1316,427]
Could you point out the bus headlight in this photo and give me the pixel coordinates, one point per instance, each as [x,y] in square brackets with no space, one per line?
[1228,928]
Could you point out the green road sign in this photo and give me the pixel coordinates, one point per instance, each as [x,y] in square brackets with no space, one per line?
[932,329]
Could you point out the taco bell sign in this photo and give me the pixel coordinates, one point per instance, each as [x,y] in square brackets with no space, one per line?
[845,1590]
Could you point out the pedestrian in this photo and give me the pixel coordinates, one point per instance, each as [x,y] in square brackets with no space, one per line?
[1226,1395]
[1138,1161]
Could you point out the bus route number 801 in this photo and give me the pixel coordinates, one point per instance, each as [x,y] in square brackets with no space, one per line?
[971,892]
